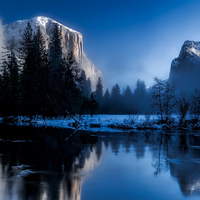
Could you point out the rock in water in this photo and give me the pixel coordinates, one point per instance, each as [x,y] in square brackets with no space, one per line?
[71,41]
[185,70]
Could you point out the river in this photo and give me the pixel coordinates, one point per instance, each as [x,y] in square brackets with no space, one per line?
[45,163]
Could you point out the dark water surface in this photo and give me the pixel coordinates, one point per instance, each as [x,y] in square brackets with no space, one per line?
[39,163]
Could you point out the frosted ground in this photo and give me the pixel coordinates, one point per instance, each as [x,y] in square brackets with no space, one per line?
[104,123]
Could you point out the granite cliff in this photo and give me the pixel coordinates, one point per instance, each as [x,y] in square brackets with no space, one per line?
[185,69]
[71,41]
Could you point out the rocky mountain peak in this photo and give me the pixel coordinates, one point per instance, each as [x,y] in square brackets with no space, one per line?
[185,69]
[72,41]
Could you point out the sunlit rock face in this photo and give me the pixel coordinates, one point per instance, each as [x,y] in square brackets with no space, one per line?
[72,41]
[185,69]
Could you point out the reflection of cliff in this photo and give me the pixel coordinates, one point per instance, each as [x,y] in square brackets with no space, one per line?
[175,152]
[167,151]
[91,160]
[188,177]
[184,163]
[54,169]
[60,168]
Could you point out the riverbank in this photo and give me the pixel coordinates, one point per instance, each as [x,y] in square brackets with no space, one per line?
[109,123]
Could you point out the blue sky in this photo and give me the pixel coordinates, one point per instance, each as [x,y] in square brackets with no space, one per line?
[125,39]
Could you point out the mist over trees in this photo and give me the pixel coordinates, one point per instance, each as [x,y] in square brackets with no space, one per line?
[126,101]
[160,99]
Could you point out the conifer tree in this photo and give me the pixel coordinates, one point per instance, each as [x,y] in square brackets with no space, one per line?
[56,68]
[10,80]
[140,99]
[84,83]
[106,102]
[40,62]
[85,106]
[64,79]
[5,100]
[115,99]
[127,93]
[140,88]
[88,87]
[127,101]
[93,104]
[55,49]
[14,82]
[99,90]
[72,85]
[28,98]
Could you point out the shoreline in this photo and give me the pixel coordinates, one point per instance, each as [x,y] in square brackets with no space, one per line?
[107,123]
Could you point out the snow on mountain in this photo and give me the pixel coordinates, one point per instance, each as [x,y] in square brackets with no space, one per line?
[190,51]
[71,41]
[185,69]
[1,40]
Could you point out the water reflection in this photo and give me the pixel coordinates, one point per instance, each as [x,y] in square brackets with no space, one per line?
[38,163]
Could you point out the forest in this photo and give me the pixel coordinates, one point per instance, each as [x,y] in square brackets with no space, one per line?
[39,81]
[35,80]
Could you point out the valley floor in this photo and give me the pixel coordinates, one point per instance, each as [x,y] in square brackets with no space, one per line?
[108,123]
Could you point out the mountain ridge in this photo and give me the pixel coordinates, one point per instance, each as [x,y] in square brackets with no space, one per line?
[71,41]
[185,69]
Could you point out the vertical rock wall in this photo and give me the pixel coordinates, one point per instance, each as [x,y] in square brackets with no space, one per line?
[72,41]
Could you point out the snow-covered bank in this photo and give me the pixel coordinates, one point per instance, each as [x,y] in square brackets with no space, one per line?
[103,123]
[109,123]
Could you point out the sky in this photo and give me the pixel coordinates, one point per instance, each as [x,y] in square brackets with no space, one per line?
[125,39]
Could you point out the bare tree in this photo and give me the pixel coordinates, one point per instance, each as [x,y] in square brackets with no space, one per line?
[182,105]
[168,98]
[195,104]
[157,94]
[163,94]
